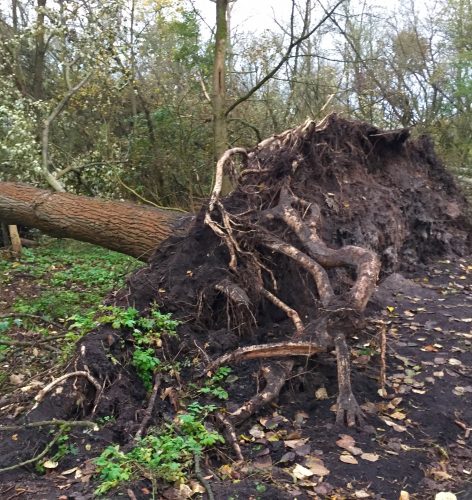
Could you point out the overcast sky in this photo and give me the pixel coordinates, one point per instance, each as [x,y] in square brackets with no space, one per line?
[258,15]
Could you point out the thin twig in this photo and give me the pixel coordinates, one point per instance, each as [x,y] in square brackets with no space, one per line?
[36,458]
[46,423]
[30,316]
[383,362]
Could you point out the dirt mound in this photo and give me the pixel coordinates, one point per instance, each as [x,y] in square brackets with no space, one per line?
[285,266]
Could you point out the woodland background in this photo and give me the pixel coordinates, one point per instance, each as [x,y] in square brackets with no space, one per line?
[115,98]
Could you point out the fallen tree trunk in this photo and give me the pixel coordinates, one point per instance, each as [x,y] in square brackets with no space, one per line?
[128,228]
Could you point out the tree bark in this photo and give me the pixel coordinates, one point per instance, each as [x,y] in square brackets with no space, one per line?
[220,125]
[128,228]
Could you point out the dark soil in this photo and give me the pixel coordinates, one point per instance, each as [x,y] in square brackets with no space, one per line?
[377,190]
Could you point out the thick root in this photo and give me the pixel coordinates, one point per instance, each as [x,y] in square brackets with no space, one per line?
[275,375]
[276,350]
[349,412]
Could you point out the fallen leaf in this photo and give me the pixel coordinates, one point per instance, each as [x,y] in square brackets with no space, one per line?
[361,494]
[398,415]
[440,475]
[404,495]
[317,466]
[50,464]
[321,394]
[429,348]
[347,458]
[370,457]
[196,487]
[300,417]
[300,472]
[69,471]
[394,403]
[17,379]
[263,463]
[346,441]
[396,427]
[418,391]
[288,457]
[382,392]
[256,432]
[303,450]
[445,495]
[295,443]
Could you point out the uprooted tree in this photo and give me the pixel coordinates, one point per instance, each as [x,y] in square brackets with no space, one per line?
[285,265]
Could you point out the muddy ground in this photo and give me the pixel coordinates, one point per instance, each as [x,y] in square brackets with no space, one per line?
[424,448]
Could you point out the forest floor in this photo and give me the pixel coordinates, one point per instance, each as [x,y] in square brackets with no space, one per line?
[418,438]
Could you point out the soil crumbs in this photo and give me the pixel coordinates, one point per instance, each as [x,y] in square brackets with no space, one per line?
[418,437]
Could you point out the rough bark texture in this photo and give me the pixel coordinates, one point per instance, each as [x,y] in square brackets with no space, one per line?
[125,227]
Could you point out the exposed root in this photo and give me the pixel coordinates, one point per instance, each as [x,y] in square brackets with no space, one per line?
[320,276]
[149,408]
[219,174]
[348,410]
[201,477]
[48,388]
[275,376]
[234,293]
[291,313]
[230,435]
[275,350]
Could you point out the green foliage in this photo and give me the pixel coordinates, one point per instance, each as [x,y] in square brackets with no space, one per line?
[212,385]
[147,331]
[145,362]
[73,279]
[167,455]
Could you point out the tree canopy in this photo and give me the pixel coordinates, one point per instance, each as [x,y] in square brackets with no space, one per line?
[117,98]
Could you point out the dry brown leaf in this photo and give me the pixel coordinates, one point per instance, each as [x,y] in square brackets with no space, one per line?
[264,462]
[316,465]
[347,458]
[301,472]
[361,494]
[17,379]
[256,432]
[345,441]
[404,495]
[295,443]
[445,495]
[370,457]
[396,427]
[50,464]
[398,415]
[440,475]
[321,394]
